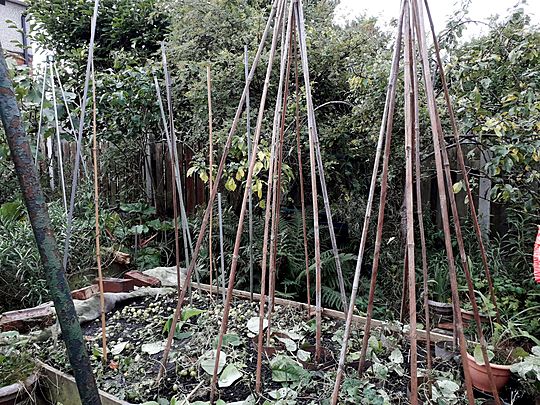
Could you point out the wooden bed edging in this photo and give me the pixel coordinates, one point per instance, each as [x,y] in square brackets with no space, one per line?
[56,386]
[331,313]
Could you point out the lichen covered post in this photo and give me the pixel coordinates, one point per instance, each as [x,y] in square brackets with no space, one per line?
[46,242]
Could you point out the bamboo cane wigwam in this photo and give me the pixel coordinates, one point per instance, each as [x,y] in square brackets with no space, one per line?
[287,20]
[411,24]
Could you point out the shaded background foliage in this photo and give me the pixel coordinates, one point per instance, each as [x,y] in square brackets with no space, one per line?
[492,84]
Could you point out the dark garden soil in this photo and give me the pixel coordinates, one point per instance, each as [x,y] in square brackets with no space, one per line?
[136,336]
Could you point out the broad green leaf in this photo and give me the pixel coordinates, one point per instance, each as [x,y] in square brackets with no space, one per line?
[253,324]
[208,360]
[290,344]
[191,312]
[230,339]
[396,356]
[230,184]
[229,376]
[285,369]
[457,187]
[118,348]
[153,348]
[478,357]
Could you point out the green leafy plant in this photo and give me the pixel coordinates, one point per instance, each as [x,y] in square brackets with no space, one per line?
[528,370]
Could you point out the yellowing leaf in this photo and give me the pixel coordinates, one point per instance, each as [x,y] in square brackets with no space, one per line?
[240,173]
[230,184]
[191,170]
[457,187]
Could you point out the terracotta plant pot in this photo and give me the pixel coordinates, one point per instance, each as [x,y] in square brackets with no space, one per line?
[17,392]
[479,377]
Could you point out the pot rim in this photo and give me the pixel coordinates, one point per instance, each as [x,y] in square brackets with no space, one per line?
[493,365]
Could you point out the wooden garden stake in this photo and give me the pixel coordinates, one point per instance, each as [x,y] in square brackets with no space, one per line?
[457,225]
[432,108]
[250,201]
[219,173]
[222,257]
[96,211]
[380,218]
[238,239]
[274,179]
[464,262]
[461,162]
[386,121]
[211,164]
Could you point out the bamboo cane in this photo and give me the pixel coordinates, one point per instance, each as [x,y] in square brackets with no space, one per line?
[268,208]
[405,276]
[222,257]
[275,132]
[380,223]
[300,172]
[219,173]
[420,217]
[58,140]
[386,122]
[464,262]
[75,175]
[175,218]
[238,239]
[328,210]
[98,231]
[409,130]
[279,162]
[211,162]
[40,115]
[432,108]
[186,234]
[461,162]
[312,135]
[175,208]
[66,106]
[250,201]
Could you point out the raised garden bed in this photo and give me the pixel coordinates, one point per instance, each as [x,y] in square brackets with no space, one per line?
[137,332]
